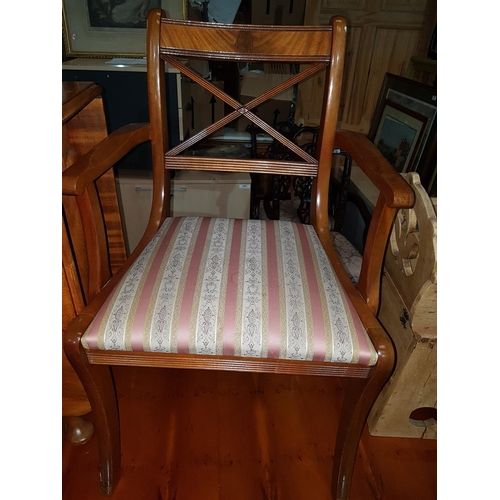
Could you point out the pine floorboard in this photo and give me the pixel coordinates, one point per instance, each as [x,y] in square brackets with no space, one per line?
[192,435]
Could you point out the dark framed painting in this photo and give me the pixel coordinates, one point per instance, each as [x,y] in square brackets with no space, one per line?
[399,134]
[407,107]
[111,28]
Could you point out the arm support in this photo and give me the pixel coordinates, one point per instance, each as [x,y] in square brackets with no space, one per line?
[395,190]
[395,193]
[91,166]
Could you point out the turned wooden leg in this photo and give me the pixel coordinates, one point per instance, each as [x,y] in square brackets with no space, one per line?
[78,430]
[102,398]
[359,397]
[98,383]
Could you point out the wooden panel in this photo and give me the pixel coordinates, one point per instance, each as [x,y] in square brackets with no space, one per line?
[392,316]
[359,77]
[351,66]
[404,5]
[402,469]
[106,187]
[75,96]
[343,4]
[73,291]
[408,313]
[414,383]
[88,127]
[309,99]
[382,37]
[391,53]
[296,45]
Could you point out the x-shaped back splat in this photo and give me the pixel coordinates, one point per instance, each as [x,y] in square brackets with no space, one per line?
[308,168]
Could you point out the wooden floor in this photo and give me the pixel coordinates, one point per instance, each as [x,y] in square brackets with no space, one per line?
[189,435]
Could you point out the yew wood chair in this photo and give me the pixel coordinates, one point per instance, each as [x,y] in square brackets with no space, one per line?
[244,295]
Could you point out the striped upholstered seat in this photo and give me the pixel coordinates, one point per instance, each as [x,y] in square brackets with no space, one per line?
[248,288]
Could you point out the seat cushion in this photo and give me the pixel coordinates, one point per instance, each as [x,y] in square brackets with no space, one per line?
[233,287]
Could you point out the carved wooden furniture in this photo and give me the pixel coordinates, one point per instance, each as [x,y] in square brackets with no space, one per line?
[227,294]
[83,127]
[407,406]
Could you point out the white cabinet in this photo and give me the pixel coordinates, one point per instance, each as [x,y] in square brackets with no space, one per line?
[220,194]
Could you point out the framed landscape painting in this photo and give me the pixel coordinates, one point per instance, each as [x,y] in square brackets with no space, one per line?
[405,120]
[111,28]
[398,135]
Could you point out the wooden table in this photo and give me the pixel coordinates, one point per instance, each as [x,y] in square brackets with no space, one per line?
[83,127]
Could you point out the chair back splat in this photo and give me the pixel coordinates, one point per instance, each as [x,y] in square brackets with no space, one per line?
[210,293]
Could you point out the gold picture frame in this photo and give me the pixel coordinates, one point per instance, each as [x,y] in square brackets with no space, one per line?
[111,28]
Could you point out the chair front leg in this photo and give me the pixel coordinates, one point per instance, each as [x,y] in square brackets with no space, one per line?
[105,406]
[97,380]
[359,396]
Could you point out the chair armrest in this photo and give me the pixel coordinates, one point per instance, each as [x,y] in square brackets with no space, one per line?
[98,160]
[396,191]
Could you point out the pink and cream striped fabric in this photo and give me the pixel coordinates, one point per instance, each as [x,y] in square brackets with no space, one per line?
[235,287]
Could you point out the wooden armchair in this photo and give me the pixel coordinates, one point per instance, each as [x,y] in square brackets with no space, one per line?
[242,295]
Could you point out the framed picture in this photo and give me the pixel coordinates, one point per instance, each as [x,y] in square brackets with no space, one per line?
[399,134]
[413,106]
[111,28]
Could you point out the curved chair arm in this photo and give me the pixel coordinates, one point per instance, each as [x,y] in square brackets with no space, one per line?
[395,193]
[87,216]
[98,160]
